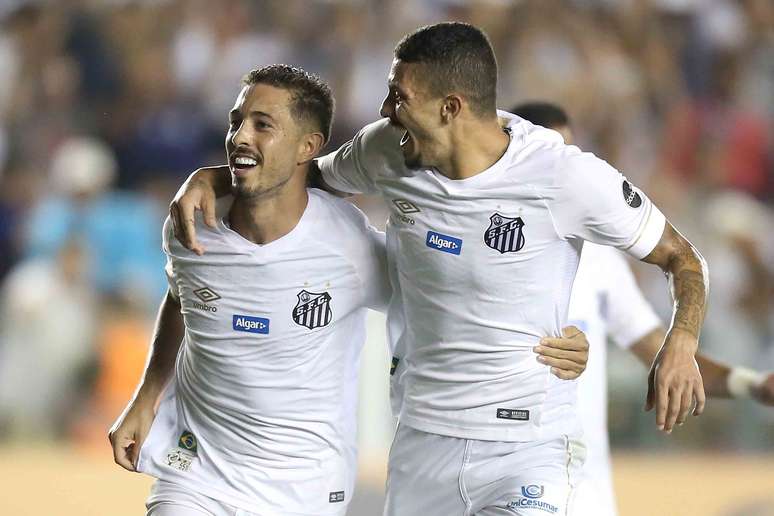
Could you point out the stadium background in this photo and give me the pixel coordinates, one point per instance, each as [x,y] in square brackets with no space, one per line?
[106,105]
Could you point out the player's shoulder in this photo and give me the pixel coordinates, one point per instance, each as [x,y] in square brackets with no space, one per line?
[210,237]
[381,133]
[339,213]
[537,155]
[378,148]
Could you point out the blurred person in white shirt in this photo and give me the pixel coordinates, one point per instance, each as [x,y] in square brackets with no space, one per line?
[606,302]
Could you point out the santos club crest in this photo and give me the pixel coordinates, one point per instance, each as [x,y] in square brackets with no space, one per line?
[313,310]
[504,234]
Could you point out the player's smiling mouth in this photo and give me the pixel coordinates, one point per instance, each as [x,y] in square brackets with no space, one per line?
[405,139]
[242,162]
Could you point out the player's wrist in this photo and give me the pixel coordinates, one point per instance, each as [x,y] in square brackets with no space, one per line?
[682,339]
[742,382]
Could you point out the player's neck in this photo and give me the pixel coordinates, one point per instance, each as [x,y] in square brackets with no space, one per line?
[265,219]
[476,146]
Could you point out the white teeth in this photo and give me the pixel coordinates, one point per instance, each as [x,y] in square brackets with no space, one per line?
[245,161]
[405,139]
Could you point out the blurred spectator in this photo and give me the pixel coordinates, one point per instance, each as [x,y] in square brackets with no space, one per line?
[47,328]
[120,229]
[678,94]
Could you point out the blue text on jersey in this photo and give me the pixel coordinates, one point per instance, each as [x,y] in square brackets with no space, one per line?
[250,324]
[445,243]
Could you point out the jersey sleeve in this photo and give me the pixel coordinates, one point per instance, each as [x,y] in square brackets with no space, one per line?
[592,201]
[630,316]
[373,271]
[353,168]
[167,234]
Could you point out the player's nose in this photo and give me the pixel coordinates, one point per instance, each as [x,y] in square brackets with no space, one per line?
[239,136]
[386,110]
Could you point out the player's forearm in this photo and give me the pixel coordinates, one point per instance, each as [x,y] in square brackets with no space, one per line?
[687,273]
[715,377]
[218,178]
[167,336]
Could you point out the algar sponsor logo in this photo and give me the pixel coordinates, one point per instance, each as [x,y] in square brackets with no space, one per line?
[445,243]
[250,324]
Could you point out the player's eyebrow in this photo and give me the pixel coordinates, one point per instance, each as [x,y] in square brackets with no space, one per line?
[253,114]
[393,85]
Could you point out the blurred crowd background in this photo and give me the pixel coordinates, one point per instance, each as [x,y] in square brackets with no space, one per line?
[107,105]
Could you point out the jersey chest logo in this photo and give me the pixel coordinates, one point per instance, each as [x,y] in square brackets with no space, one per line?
[313,310]
[504,234]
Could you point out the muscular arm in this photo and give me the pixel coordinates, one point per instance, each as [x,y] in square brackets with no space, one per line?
[167,337]
[687,274]
[674,382]
[132,426]
[207,184]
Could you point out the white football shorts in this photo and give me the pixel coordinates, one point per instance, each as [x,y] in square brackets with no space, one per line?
[170,499]
[435,475]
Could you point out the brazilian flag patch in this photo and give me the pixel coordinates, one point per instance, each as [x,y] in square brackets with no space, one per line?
[187,441]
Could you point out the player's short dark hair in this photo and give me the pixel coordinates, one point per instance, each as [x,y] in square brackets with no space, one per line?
[542,113]
[311,98]
[457,58]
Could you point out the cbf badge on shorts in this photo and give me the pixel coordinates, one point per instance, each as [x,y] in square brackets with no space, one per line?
[183,455]
[504,234]
[313,310]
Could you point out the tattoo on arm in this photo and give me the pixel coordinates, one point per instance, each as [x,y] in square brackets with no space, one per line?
[690,299]
[687,273]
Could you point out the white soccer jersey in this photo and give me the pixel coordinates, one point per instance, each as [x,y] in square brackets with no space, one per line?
[605,301]
[485,267]
[261,411]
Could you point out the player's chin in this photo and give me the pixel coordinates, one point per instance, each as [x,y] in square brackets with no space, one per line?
[412,160]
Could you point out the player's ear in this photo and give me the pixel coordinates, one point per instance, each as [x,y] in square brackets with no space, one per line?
[451,107]
[310,146]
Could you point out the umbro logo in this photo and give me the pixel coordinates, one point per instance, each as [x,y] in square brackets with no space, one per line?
[405,206]
[206,294]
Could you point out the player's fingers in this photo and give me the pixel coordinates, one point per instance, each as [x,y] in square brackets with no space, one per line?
[673,410]
[650,398]
[575,344]
[135,451]
[572,332]
[208,210]
[662,403]
[564,375]
[564,365]
[685,406]
[185,222]
[121,448]
[698,393]
[575,355]
[173,217]
[177,223]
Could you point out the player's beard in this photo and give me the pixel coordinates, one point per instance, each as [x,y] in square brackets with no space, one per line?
[255,192]
[412,157]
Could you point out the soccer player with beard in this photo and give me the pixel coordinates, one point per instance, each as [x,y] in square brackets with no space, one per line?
[485,235]
[256,350]
[606,302]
